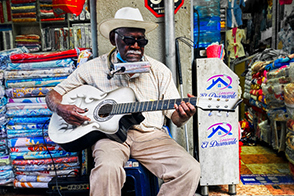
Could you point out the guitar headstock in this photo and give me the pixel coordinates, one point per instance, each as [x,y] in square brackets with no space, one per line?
[219,104]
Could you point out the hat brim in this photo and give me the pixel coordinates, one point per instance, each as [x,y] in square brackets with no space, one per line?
[110,24]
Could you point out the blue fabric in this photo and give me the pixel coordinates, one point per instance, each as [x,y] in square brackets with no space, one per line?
[5,55]
[235,5]
[40,65]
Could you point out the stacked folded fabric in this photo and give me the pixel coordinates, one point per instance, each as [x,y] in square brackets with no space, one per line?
[264,87]
[23,10]
[46,11]
[28,78]
[5,56]
[6,173]
[31,42]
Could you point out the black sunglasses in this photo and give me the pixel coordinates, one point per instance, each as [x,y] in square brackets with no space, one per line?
[131,40]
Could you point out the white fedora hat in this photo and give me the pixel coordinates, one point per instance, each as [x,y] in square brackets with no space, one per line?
[125,17]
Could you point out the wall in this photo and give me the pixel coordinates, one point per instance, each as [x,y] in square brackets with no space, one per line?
[156,45]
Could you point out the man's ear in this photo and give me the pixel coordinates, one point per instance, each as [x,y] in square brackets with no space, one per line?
[112,38]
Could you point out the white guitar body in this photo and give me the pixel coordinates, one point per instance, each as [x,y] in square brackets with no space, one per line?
[88,97]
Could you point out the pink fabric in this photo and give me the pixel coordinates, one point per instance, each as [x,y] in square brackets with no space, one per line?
[282,2]
[50,56]
[234,31]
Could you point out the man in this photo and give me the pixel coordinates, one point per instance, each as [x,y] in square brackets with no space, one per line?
[147,142]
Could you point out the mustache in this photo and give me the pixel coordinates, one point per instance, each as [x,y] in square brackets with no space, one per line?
[134,52]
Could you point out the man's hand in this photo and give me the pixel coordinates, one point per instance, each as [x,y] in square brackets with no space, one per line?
[72,114]
[183,112]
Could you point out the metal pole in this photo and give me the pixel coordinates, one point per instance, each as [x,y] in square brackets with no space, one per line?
[178,60]
[170,57]
[94,28]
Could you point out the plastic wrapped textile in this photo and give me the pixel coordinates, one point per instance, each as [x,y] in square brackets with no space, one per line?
[289,94]
[6,181]
[279,63]
[246,95]
[40,65]
[4,152]
[282,71]
[247,88]
[261,98]
[255,103]
[5,167]
[25,120]
[59,166]
[36,148]
[19,106]
[5,55]
[23,19]
[1,75]
[50,56]
[264,128]
[6,174]
[2,91]
[40,73]
[3,120]
[34,82]
[28,36]
[28,141]
[2,111]
[11,133]
[27,100]
[28,126]
[259,65]
[27,92]
[273,89]
[253,97]
[24,178]
[46,161]
[248,82]
[22,7]
[3,141]
[289,153]
[256,92]
[41,154]
[4,160]
[83,57]
[4,147]
[274,101]
[278,114]
[3,101]
[290,110]
[279,80]
[29,112]
[18,184]
[3,132]
[47,173]
[258,75]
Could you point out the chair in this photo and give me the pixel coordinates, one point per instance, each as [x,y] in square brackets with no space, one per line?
[139,181]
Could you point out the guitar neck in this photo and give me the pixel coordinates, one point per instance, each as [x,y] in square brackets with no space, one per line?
[134,107]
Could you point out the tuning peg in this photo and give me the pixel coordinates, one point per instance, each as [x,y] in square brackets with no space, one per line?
[219,114]
[210,113]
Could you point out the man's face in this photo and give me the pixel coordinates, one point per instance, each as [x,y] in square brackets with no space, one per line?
[129,51]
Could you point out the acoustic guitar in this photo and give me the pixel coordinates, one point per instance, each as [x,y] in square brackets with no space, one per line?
[113,113]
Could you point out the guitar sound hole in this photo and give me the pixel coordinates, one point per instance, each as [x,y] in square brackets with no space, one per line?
[105,110]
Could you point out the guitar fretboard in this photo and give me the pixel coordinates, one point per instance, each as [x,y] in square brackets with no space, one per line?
[125,108]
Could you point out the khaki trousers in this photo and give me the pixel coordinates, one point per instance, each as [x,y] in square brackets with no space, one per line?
[159,153]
